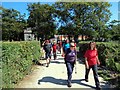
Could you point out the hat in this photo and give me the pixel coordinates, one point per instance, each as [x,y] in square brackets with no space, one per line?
[72,44]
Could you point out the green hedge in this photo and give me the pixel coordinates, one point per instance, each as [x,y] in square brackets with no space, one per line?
[17,60]
[109,54]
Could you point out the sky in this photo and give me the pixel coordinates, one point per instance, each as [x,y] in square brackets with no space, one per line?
[22,8]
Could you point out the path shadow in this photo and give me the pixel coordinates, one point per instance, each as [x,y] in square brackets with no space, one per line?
[57,62]
[36,62]
[62,81]
[53,80]
[81,83]
[59,54]
[60,58]
[105,86]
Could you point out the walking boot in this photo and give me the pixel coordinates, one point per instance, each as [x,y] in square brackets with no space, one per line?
[86,80]
[47,65]
[98,88]
[69,84]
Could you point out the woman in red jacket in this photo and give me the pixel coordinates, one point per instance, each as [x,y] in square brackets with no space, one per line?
[91,61]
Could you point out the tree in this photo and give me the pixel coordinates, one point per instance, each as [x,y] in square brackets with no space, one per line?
[85,18]
[65,18]
[114,28]
[13,24]
[40,19]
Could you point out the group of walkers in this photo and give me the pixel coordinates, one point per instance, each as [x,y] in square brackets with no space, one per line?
[68,50]
[51,48]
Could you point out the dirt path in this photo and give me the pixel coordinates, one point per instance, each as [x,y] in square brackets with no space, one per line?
[55,76]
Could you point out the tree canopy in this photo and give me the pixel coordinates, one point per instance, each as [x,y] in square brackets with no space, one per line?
[83,18]
[41,19]
[66,18]
[13,24]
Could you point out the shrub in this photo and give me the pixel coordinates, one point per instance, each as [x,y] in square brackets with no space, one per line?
[17,60]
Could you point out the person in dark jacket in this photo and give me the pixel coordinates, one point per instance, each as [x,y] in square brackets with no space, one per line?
[47,47]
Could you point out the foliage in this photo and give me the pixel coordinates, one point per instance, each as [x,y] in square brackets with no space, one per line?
[41,20]
[13,24]
[85,18]
[114,30]
[17,60]
[71,18]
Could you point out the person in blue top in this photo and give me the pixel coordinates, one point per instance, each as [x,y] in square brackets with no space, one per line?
[66,45]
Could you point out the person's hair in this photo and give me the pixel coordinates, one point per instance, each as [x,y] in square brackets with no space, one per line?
[47,41]
[89,45]
[67,41]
